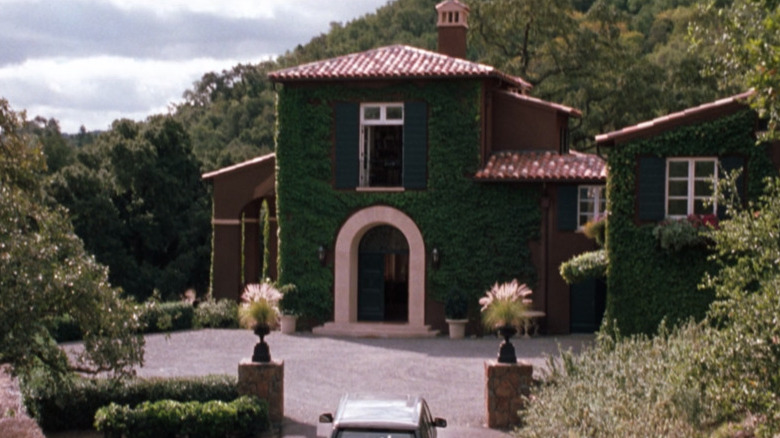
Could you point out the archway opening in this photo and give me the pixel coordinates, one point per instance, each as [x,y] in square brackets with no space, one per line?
[383,275]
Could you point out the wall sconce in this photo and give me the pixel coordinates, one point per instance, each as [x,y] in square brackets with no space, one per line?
[436,257]
[321,255]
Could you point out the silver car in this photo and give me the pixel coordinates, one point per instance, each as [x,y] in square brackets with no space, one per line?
[370,416]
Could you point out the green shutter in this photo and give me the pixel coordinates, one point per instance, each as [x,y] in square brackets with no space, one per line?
[347,126]
[730,163]
[651,189]
[567,208]
[415,154]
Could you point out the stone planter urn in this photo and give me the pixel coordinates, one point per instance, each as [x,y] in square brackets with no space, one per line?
[261,354]
[457,328]
[287,324]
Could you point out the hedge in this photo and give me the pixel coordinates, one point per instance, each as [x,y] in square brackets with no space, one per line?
[482,230]
[163,317]
[245,416]
[73,406]
[588,265]
[646,283]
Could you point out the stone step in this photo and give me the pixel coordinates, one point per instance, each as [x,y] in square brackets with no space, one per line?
[375,330]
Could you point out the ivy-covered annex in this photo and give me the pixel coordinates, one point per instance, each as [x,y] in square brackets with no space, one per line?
[662,177]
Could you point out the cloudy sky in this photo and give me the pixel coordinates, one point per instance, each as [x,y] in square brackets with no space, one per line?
[89,62]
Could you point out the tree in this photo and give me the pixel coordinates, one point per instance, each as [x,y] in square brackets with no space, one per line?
[619,62]
[45,273]
[742,357]
[744,38]
[140,206]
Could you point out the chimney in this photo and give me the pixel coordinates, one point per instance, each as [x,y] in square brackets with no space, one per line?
[453,24]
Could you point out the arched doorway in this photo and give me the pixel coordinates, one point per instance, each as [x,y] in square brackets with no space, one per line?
[383,275]
[346,269]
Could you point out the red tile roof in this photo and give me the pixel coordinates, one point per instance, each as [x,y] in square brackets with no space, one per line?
[696,114]
[393,62]
[543,166]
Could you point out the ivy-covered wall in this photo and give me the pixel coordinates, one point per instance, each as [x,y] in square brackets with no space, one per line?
[482,230]
[647,283]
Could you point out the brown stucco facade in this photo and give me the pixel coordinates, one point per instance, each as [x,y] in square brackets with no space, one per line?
[239,192]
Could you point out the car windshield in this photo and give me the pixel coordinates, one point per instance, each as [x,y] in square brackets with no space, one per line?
[374,434]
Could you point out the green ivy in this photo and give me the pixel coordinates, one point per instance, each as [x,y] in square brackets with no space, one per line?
[585,266]
[645,282]
[482,230]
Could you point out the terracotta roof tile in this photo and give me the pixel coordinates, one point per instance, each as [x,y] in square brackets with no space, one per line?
[543,166]
[687,116]
[393,62]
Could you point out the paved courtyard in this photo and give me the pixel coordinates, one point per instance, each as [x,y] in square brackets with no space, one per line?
[318,370]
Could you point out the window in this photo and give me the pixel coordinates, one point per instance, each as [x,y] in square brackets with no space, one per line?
[381,144]
[591,204]
[690,186]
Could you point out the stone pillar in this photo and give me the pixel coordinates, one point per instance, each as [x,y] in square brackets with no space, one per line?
[265,381]
[505,386]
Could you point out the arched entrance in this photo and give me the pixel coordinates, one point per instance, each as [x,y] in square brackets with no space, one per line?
[383,275]
[346,318]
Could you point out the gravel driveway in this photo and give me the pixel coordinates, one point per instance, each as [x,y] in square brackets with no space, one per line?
[318,370]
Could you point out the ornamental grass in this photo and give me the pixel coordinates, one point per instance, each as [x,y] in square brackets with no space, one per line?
[259,305]
[505,304]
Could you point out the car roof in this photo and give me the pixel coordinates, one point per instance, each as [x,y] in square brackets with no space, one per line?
[374,411]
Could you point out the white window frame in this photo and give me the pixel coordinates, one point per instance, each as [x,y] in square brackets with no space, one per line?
[690,196]
[365,153]
[599,203]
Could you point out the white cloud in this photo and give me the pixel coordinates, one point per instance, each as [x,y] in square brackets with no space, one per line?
[327,11]
[94,91]
[92,61]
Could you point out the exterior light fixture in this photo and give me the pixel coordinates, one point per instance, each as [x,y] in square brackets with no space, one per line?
[321,255]
[436,257]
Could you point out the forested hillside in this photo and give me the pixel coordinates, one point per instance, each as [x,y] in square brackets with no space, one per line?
[619,61]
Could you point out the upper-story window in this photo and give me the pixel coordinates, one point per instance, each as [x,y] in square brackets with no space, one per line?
[591,203]
[381,144]
[690,186]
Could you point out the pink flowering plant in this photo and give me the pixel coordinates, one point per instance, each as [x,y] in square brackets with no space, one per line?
[259,305]
[505,304]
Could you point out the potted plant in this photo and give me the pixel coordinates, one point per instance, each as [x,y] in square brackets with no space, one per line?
[259,311]
[289,307]
[503,309]
[456,309]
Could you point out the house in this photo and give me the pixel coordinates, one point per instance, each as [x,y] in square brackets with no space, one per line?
[661,171]
[400,173]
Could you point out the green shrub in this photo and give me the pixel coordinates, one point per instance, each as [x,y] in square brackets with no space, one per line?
[456,305]
[635,387]
[158,317]
[73,406]
[244,416]
[216,314]
[163,317]
[65,329]
[592,264]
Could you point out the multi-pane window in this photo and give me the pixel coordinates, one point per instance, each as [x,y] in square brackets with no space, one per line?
[690,186]
[591,203]
[381,144]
